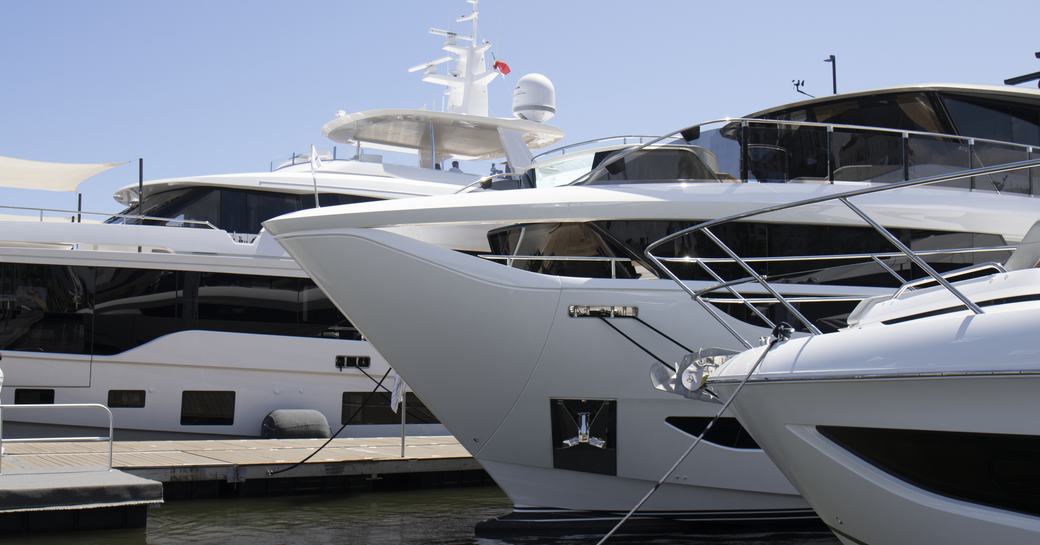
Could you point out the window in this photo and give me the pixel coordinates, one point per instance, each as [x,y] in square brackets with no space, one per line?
[46,308]
[230,209]
[125,399]
[991,469]
[33,396]
[377,410]
[655,165]
[108,310]
[207,408]
[135,306]
[1002,120]
[726,432]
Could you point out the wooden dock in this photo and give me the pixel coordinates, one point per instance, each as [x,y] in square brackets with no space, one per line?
[240,460]
[67,485]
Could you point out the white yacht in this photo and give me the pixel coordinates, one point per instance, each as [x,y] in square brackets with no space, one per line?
[910,425]
[183,316]
[534,355]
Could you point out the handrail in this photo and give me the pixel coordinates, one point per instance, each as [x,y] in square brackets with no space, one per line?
[949,274]
[204,223]
[58,439]
[562,150]
[746,122]
[843,197]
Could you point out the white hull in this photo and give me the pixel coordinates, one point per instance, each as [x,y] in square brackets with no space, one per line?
[493,390]
[266,372]
[948,374]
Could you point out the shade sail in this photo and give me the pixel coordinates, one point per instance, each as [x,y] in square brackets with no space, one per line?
[26,174]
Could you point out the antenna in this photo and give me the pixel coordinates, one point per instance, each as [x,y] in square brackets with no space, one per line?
[1027,77]
[467,81]
[798,84]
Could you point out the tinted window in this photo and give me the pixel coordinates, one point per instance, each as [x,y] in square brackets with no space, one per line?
[135,306]
[629,238]
[125,398]
[46,308]
[1003,120]
[207,408]
[901,111]
[664,164]
[233,210]
[991,469]
[107,310]
[33,396]
[726,431]
[377,410]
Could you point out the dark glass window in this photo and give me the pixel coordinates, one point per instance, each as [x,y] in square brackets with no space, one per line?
[135,306]
[913,111]
[126,399]
[207,408]
[997,470]
[726,432]
[655,165]
[230,209]
[46,308]
[33,396]
[247,303]
[108,310]
[1004,120]
[377,410]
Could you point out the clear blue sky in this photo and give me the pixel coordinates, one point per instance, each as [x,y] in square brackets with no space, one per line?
[199,87]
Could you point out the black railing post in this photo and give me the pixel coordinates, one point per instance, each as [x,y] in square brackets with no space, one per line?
[744,157]
[906,156]
[971,163]
[830,154]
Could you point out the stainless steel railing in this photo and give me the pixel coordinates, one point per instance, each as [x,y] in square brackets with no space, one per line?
[624,140]
[701,261]
[108,438]
[107,215]
[843,197]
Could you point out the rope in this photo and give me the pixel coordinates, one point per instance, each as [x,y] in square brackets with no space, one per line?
[778,333]
[341,428]
[639,346]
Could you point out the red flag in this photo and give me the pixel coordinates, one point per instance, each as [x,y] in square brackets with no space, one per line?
[502,67]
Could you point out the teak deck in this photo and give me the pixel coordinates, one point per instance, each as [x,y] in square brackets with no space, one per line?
[236,460]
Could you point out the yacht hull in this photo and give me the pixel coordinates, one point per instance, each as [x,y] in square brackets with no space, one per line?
[493,353]
[265,372]
[907,457]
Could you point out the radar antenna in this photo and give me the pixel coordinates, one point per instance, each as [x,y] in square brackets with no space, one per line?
[467,80]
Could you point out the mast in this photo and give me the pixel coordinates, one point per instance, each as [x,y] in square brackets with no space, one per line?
[468,76]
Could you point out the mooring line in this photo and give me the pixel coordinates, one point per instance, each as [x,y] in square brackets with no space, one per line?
[781,332]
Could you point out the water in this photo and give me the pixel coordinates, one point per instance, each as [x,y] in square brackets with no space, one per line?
[428,517]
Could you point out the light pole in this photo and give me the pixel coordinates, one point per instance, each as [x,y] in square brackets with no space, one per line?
[834,72]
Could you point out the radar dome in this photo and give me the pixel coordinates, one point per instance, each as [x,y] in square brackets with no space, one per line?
[534,98]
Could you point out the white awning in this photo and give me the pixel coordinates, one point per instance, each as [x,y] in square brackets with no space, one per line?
[25,174]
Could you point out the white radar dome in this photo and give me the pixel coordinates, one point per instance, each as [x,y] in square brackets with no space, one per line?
[534,98]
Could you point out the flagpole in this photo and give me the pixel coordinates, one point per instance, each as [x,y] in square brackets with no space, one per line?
[315,165]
